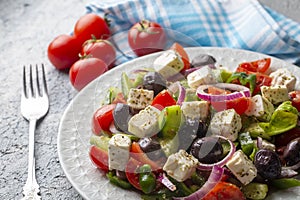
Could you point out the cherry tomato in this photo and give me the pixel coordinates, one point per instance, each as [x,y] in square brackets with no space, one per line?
[261,65]
[99,157]
[102,118]
[84,71]
[101,49]
[131,173]
[240,105]
[91,26]
[225,191]
[163,99]
[146,37]
[295,98]
[63,51]
[184,56]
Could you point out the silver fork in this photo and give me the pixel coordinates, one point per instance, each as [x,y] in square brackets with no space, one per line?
[34,106]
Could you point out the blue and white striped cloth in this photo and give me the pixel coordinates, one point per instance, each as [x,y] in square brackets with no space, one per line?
[242,24]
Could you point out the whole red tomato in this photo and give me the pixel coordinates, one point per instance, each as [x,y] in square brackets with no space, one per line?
[101,49]
[84,71]
[146,37]
[63,51]
[91,26]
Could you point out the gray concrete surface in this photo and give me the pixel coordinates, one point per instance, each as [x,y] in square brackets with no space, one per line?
[26,28]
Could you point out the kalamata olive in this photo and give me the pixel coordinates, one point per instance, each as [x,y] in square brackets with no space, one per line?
[291,153]
[267,163]
[122,114]
[151,147]
[208,150]
[154,81]
[189,131]
[202,59]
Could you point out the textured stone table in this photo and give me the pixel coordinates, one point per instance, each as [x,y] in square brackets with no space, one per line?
[26,28]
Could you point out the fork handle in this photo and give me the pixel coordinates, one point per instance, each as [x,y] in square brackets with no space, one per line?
[31,189]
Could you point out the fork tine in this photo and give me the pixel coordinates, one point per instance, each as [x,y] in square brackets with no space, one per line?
[24,82]
[31,81]
[44,82]
[37,90]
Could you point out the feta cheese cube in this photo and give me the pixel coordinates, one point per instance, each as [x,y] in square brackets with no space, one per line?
[275,94]
[242,167]
[118,151]
[168,63]
[201,76]
[145,123]
[180,165]
[139,98]
[195,109]
[283,77]
[226,123]
[261,108]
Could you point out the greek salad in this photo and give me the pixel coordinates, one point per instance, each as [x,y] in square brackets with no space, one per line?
[188,129]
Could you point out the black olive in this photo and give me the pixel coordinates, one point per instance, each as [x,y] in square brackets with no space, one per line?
[122,114]
[267,163]
[154,81]
[202,59]
[189,131]
[152,148]
[207,150]
[291,153]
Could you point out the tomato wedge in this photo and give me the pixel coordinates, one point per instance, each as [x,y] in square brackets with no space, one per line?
[225,191]
[163,99]
[131,173]
[295,98]
[260,66]
[184,56]
[99,157]
[240,105]
[102,119]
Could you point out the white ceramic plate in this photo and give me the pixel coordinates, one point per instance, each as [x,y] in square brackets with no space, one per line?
[75,127]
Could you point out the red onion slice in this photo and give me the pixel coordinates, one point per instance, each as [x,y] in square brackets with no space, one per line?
[214,177]
[222,162]
[174,88]
[166,182]
[259,143]
[240,91]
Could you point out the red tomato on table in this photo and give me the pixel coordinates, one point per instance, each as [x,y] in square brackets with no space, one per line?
[63,51]
[146,37]
[91,26]
[102,118]
[84,71]
[101,49]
